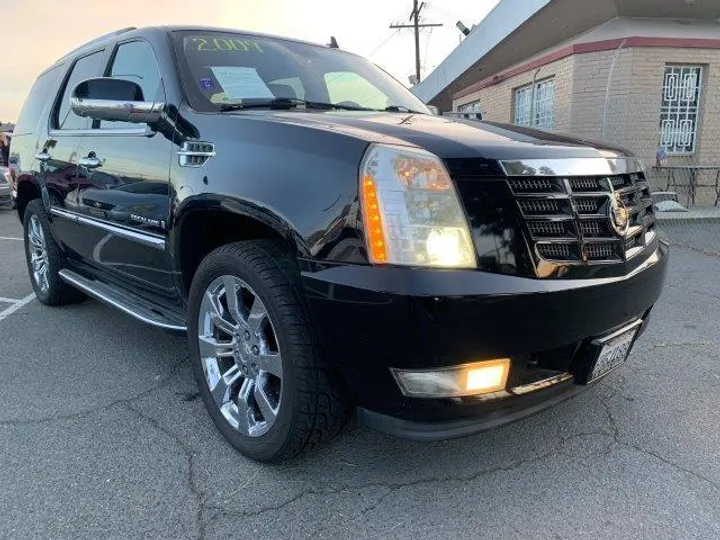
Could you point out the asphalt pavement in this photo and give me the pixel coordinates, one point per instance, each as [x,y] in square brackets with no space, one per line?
[102,435]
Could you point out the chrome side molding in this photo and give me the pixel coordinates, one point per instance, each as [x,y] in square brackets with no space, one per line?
[151,240]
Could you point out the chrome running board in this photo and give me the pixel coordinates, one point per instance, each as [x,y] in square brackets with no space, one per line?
[124,301]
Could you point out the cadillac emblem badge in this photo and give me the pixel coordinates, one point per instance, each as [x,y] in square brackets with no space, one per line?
[618,216]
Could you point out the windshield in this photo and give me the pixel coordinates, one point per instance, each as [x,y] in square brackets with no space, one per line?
[221,69]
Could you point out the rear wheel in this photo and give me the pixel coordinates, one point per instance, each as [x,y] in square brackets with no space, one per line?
[255,354]
[44,258]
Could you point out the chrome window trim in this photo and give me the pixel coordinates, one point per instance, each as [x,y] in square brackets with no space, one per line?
[152,240]
[599,166]
[72,60]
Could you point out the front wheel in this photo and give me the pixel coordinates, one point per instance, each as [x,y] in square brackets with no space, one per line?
[255,355]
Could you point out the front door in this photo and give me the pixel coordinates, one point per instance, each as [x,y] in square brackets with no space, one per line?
[58,155]
[123,192]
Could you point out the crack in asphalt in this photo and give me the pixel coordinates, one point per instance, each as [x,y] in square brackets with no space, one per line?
[678,343]
[101,408]
[378,502]
[626,444]
[687,289]
[390,488]
[395,486]
[671,463]
[190,479]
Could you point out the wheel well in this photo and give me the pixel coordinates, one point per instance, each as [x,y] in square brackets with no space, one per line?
[26,192]
[204,231]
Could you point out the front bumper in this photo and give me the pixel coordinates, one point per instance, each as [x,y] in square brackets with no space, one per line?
[371,319]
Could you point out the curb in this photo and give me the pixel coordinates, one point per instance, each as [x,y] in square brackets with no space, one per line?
[685,217]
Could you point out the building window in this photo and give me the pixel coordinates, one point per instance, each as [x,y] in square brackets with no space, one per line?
[470,107]
[680,109]
[470,110]
[542,114]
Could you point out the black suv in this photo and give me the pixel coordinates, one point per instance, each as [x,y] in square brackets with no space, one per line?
[325,241]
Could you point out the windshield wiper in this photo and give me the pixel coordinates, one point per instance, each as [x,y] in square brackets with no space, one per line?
[400,108]
[288,103]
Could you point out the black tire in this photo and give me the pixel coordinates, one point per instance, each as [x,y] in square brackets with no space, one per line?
[57,291]
[312,406]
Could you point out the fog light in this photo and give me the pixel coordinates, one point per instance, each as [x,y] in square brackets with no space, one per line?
[466,380]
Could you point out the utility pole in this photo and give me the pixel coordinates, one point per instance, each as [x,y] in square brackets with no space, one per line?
[416,26]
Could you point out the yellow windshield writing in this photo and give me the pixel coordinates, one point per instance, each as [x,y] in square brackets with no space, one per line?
[203,44]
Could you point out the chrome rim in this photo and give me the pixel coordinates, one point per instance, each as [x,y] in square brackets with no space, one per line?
[240,355]
[38,253]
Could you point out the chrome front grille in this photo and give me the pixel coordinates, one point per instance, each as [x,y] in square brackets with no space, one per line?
[603,252]
[568,219]
[548,229]
[540,207]
[558,252]
[591,205]
[534,185]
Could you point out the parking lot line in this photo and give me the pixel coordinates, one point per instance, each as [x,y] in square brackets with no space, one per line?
[17,305]
[8,300]
[10,238]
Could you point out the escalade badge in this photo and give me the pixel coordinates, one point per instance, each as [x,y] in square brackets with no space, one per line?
[619,217]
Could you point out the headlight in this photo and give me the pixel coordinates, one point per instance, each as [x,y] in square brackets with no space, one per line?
[411,212]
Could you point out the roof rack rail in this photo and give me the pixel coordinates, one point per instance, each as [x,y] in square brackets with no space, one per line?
[99,39]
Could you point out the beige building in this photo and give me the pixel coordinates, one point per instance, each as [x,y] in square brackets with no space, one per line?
[643,74]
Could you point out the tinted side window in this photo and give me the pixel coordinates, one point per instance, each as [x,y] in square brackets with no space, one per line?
[86,67]
[42,91]
[136,62]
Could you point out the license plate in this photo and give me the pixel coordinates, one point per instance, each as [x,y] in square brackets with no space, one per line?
[614,351]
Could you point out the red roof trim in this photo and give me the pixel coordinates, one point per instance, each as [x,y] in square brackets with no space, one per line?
[596,46]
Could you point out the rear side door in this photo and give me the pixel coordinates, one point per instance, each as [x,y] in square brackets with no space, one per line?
[124,185]
[58,154]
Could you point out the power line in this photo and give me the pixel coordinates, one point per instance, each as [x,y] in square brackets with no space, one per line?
[416,26]
[427,46]
[385,42]
[448,14]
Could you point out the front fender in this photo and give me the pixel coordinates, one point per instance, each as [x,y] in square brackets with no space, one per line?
[268,217]
[294,178]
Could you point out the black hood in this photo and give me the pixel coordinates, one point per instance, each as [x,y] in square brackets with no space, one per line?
[453,138]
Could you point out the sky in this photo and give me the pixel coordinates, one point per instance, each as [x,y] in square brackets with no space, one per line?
[35,33]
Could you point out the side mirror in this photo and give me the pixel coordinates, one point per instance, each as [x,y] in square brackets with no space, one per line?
[114,100]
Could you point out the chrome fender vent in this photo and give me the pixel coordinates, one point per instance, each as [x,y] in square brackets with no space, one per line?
[195,153]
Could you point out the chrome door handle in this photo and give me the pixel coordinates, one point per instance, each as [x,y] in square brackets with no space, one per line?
[90,162]
[42,156]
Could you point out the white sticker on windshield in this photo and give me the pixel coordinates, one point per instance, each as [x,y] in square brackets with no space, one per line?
[241,83]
